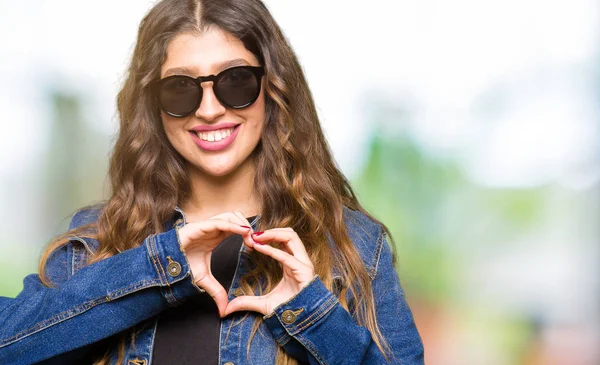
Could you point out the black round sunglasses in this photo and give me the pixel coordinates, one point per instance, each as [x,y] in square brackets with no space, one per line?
[236,87]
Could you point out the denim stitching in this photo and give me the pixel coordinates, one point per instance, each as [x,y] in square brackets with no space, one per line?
[318,314]
[167,290]
[371,271]
[80,253]
[378,248]
[60,317]
[57,318]
[83,242]
[155,252]
[311,348]
[153,258]
[187,263]
[153,337]
[239,346]
[76,263]
[371,267]
[132,288]
[167,293]
[283,339]
[156,261]
[280,305]
[73,260]
[80,258]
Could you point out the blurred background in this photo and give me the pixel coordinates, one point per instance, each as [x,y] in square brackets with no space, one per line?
[471,128]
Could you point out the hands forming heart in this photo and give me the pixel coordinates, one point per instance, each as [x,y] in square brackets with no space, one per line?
[199,239]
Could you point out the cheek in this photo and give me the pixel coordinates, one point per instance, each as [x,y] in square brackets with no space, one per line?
[169,131]
[258,113]
[175,135]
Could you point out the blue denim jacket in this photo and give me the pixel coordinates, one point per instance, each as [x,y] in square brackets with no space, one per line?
[129,291]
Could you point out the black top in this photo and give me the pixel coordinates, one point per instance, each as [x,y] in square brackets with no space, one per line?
[189,333]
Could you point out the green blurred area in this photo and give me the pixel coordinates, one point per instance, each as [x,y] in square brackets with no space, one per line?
[71,175]
[435,212]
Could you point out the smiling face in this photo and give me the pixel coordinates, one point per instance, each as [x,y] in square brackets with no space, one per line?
[214,140]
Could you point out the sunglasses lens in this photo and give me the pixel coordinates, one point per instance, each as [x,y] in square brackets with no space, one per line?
[179,95]
[237,87]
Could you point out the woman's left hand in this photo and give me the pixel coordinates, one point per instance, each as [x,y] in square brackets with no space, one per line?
[298,271]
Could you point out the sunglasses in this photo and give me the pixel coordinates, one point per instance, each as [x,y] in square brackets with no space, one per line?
[237,87]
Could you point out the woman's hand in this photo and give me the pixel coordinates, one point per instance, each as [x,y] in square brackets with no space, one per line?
[199,239]
[298,271]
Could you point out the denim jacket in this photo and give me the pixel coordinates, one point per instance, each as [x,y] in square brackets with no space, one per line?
[127,292]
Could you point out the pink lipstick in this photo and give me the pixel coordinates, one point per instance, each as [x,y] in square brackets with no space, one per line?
[209,132]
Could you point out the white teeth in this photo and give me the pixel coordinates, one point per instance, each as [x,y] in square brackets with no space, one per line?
[214,136]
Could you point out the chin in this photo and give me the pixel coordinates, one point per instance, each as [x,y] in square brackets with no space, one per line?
[222,166]
[216,171]
[219,173]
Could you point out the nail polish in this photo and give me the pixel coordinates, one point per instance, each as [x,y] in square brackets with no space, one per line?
[257,233]
[245,227]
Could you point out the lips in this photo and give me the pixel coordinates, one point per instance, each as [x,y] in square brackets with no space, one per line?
[208,128]
[215,137]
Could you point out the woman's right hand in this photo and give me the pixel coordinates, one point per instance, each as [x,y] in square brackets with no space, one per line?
[199,239]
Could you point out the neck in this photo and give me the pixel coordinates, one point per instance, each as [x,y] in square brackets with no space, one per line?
[212,195]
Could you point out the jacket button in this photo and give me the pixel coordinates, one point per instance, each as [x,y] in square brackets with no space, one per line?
[238,292]
[228,363]
[174,268]
[288,317]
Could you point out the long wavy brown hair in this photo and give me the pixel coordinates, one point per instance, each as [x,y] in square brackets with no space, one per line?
[297,180]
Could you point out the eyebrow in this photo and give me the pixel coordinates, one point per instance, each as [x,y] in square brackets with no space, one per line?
[218,67]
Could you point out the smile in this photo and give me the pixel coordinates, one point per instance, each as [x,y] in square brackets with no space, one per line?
[215,140]
[215,136]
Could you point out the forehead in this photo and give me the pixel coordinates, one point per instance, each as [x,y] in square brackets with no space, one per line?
[205,54]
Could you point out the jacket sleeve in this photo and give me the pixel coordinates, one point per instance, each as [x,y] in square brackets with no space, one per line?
[315,320]
[98,301]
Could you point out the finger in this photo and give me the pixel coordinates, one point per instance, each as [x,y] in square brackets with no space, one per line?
[234,216]
[288,229]
[283,257]
[247,303]
[242,218]
[238,218]
[208,229]
[230,216]
[285,246]
[215,290]
[215,224]
[248,237]
[286,236]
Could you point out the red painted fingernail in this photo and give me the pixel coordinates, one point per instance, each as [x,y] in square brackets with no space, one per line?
[258,233]
[245,227]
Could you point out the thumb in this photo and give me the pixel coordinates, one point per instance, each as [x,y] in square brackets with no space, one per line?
[247,303]
[216,291]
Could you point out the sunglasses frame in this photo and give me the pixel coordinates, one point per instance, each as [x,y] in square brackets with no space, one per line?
[257,71]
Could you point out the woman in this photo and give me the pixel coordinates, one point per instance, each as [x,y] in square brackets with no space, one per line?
[230,235]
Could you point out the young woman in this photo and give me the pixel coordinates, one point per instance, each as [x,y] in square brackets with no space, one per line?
[230,236]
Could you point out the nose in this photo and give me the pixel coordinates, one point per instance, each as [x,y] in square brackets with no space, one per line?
[210,108]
